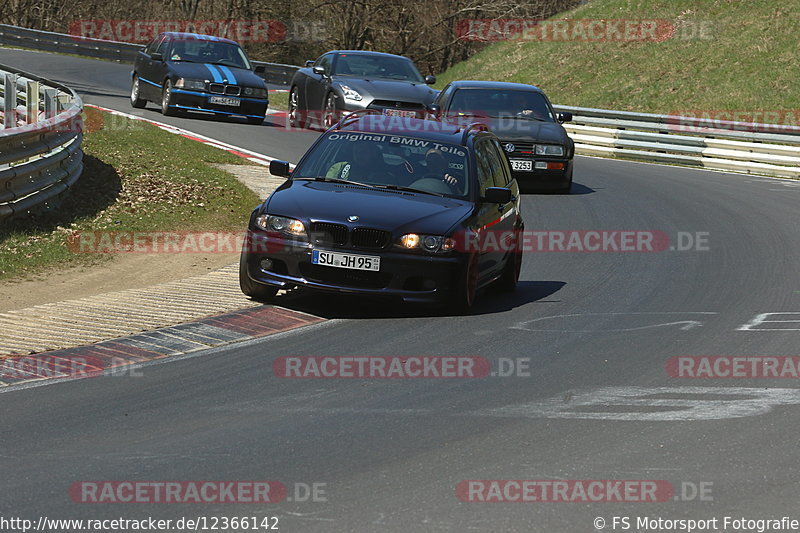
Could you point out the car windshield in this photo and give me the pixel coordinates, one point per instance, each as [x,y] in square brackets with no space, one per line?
[202,51]
[374,66]
[493,103]
[389,161]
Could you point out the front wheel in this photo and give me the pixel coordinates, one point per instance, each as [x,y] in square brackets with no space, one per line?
[463,296]
[330,115]
[136,100]
[166,100]
[510,276]
[295,115]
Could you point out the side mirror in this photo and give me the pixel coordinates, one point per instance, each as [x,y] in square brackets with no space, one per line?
[156,56]
[279,168]
[434,109]
[310,62]
[430,80]
[564,117]
[260,69]
[497,195]
[319,70]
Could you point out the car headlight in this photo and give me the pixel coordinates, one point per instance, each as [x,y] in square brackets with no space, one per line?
[549,149]
[429,243]
[285,225]
[190,84]
[350,94]
[255,91]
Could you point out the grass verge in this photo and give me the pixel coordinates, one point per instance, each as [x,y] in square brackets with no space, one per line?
[136,178]
[736,55]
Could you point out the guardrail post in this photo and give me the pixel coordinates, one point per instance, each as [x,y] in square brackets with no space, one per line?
[32,102]
[50,103]
[10,101]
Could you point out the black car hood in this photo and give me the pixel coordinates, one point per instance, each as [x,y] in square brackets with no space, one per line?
[380,89]
[521,130]
[203,71]
[388,210]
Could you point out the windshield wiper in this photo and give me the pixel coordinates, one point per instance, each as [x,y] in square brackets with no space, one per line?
[334,180]
[409,189]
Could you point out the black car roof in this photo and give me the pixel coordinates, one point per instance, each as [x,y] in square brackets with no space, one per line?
[433,130]
[507,85]
[184,36]
[366,53]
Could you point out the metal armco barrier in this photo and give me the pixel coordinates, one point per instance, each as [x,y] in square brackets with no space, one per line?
[40,142]
[275,73]
[751,148]
[68,44]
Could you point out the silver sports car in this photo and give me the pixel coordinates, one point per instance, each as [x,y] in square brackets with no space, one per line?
[348,80]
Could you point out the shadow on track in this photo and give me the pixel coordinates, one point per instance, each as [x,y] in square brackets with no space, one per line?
[354,307]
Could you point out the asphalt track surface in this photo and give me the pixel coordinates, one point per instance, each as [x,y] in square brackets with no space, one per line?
[596,328]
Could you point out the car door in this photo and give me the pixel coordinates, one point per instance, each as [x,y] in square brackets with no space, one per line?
[317,85]
[497,220]
[161,68]
[144,69]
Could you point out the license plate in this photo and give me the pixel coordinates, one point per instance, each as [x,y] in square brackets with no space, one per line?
[521,164]
[351,261]
[400,113]
[221,100]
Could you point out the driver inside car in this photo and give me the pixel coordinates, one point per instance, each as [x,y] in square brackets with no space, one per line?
[437,167]
[358,163]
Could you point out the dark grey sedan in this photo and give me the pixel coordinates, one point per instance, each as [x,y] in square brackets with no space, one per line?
[349,80]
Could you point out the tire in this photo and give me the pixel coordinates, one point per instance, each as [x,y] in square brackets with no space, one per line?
[136,100]
[166,100]
[296,119]
[256,291]
[510,276]
[463,296]
[330,115]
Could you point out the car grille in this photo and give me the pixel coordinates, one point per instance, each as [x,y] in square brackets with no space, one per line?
[328,234]
[519,147]
[345,277]
[395,104]
[221,88]
[370,238]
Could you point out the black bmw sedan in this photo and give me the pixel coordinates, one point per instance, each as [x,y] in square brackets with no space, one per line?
[341,81]
[189,72]
[538,147]
[389,206]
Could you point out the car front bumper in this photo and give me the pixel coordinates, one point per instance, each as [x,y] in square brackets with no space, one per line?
[413,277]
[201,101]
[545,178]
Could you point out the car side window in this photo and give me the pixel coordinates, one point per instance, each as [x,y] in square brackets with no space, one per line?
[505,172]
[162,47]
[485,178]
[444,96]
[494,166]
[153,45]
[325,62]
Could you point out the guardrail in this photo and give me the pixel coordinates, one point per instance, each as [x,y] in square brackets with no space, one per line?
[752,148]
[275,73]
[40,142]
